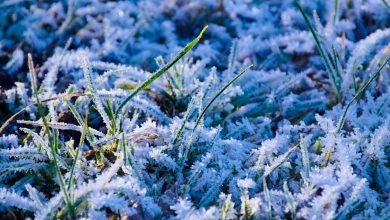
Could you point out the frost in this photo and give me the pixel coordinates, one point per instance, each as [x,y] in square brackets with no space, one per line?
[268,147]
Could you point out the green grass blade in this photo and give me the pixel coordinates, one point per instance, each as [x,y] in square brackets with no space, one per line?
[160,72]
[218,94]
[327,62]
[267,198]
[81,143]
[353,72]
[123,143]
[386,4]
[88,75]
[79,119]
[360,92]
[180,131]
[47,131]
[336,63]
[112,116]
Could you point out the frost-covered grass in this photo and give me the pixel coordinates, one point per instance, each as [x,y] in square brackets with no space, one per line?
[201,109]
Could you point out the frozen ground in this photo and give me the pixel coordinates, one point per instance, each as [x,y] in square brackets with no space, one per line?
[303,134]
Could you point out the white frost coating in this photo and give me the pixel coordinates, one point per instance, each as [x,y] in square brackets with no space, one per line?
[267,148]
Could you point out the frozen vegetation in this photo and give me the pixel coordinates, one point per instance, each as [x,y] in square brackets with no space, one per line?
[201,109]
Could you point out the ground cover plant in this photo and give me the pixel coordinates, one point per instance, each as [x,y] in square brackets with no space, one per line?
[202,109]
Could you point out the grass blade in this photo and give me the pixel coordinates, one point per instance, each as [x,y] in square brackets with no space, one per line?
[328,65]
[85,126]
[160,72]
[47,130]
[180,131]
[386,4]
[79,119]
[267,198]
[360,92]
[218,94]
[88,75]
[10,119]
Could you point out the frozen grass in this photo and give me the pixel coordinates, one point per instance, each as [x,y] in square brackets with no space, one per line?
[279,110]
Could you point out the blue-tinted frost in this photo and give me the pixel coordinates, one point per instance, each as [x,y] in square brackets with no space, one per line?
[267,147]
